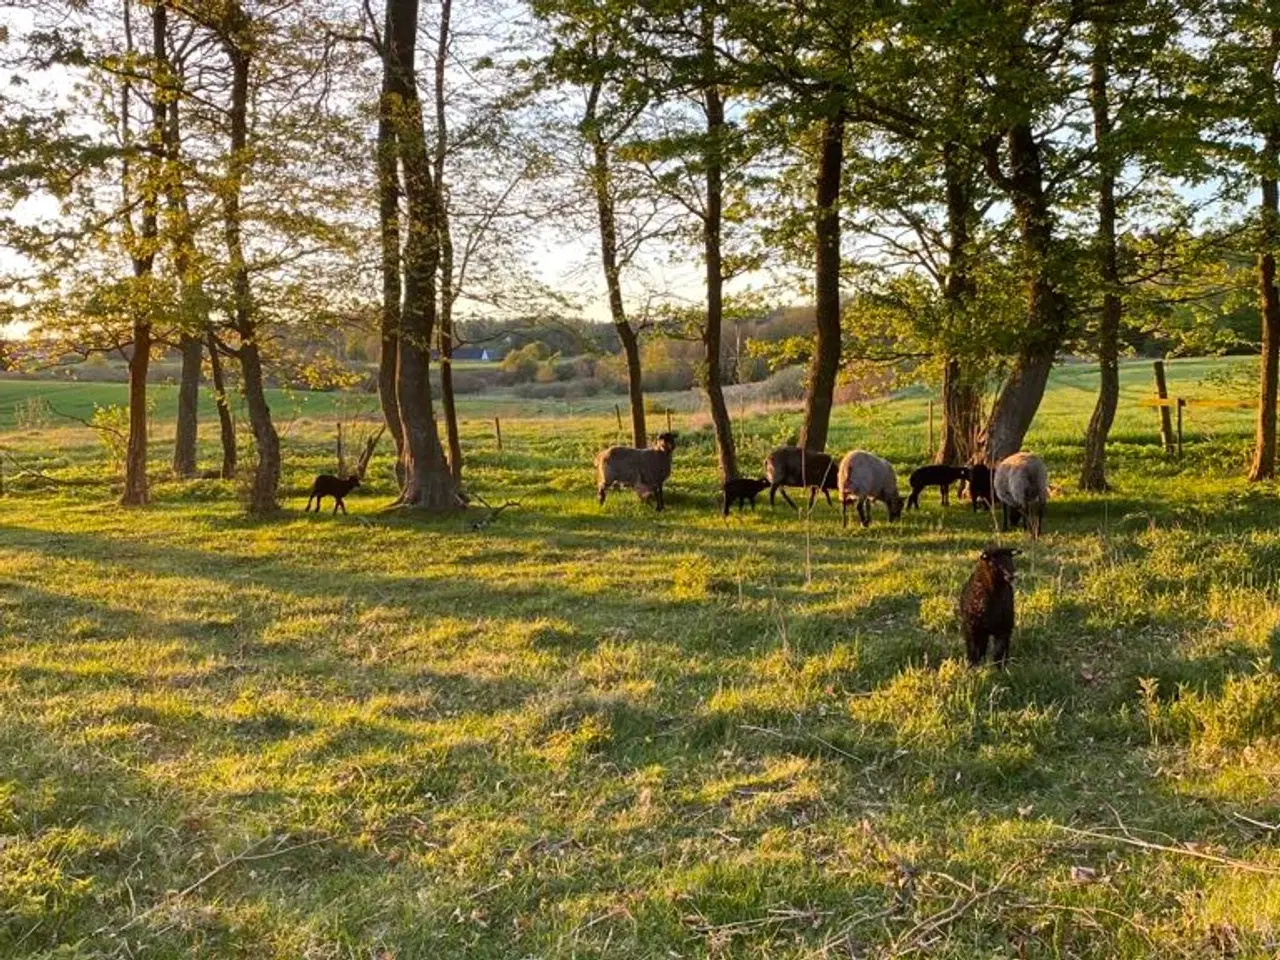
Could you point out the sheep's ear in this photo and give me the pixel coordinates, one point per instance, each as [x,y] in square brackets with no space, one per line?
[985,555]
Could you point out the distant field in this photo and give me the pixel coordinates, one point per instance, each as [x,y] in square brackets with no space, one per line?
[1075,388]
[588,732]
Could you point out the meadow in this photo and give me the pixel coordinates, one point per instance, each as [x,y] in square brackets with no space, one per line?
[584,732]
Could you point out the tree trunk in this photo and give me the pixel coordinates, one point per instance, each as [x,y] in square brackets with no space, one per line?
[193,316]
[712,230]
[143,254]
[961,394]
[1264,453]
[1093,475]
[184,444]
[389,220]
[447,295]
[961,415]
[607,217]
[226,426]
[135,462]
[266,475]
[1020,395]
[428,483]
[826,287]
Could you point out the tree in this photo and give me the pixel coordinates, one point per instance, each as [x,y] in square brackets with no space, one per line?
[143,243]
[428,482]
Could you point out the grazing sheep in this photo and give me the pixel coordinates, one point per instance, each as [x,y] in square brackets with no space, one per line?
[742,490]
[794,467]
[940,475]
[980,486]
[327,485]
[644,470]
[986,605]
[866,477]
[1021,484]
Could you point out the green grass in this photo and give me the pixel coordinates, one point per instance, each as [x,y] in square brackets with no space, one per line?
[605,733]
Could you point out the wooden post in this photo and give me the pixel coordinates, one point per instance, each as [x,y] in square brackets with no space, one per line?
[1166,421]
[342,466]
[1181,403]
[930,452]
[618,412]
[668,419]
[497,426]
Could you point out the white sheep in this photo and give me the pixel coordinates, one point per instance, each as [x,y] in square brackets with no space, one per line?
[1021,484]
[644,470]
[865,477]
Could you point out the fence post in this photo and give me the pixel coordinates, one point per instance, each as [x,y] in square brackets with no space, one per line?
[1181,403]
[1166,422]
[668,419]
[618,413]
[497,426]
[931,448]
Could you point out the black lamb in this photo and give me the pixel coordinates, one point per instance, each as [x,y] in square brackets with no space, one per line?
[980,486]
[986,605]
[327,485]
[940,475]
[742,490]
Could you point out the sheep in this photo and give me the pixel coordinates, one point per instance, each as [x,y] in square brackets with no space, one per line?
[327,485]
[866,477]
[1021,484]
[794,467]
[940,475]
[980,486]
[986,605]
[742,490]
[644,470]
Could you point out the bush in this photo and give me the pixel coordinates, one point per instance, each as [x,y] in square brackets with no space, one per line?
[112,424]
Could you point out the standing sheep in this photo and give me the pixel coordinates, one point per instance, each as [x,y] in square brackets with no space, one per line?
[796,467]
[986,606]
[980,486]
[1021,484]
[866,477]
[644,470]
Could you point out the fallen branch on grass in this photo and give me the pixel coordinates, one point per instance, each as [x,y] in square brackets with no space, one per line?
[1186,851]
[493,512]
[26,471]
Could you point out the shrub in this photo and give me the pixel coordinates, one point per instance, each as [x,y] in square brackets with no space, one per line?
[112,424]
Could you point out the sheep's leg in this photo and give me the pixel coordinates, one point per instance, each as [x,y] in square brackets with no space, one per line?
[813,495]
[913,501]
[659,502]
[726,505]
[864,511]
[307,508]
[1000,652]
[600,493]
[975,643]
[946,494]
[791,503]
[827,493]
[1004,517]
[844,512]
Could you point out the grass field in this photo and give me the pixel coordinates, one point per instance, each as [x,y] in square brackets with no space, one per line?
[590,732]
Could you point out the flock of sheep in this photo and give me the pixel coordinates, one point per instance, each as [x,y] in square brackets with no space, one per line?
[1019,483]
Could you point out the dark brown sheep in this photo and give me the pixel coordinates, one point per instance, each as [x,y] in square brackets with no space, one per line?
[327,485]
[742,490]
[794,467]
[940,475]
[986,605]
